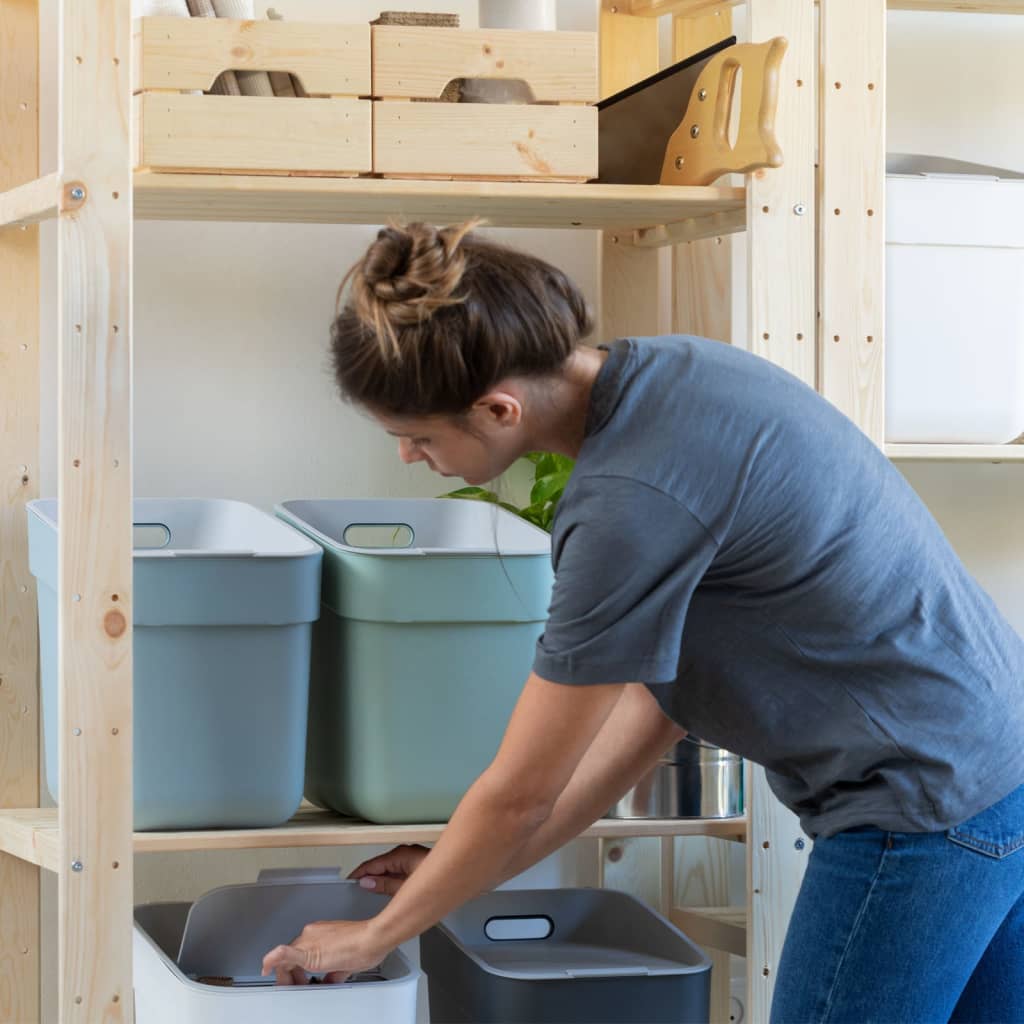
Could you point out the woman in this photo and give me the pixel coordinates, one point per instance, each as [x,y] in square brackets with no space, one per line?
[734,558]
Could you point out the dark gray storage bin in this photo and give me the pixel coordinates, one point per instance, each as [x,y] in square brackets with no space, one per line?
[563,956]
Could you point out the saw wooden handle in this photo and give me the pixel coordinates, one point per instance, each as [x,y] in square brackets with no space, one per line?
[699,151]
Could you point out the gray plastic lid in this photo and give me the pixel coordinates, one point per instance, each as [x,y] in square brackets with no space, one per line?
[918,165]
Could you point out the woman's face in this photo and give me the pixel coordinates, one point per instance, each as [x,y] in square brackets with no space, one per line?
[477,447]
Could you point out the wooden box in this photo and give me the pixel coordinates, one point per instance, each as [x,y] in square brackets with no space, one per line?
[327,132]
[551,137]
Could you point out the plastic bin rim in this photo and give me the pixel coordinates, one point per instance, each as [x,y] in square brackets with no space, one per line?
[304,547]
[703,962]
[333,543]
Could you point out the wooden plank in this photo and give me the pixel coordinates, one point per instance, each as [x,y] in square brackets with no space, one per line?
[483,139]
[702,269]
[851,218]
[995,453]
[372,201]
[679,8]
[780,202]
[32,834]
[94,257]
[714,227]
[31,202]
[330,59]
[961,6]
[628,47]
[19,482]
[781,312]
[420,62]
[776,860]
[719,928]
[254,134]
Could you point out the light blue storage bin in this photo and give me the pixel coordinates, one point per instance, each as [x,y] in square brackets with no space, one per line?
[420,652]
[224,599]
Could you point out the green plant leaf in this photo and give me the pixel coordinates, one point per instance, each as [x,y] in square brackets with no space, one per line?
[548,488]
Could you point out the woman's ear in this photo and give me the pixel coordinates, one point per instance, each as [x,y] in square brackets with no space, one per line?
[499,409]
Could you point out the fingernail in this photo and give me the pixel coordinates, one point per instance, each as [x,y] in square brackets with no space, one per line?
[368,883]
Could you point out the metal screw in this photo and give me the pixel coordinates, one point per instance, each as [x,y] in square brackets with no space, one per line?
[679,162]
[800,209]
[77,193]
[695,131]
[702,95]
[77,732]
[799,844]
[76,865]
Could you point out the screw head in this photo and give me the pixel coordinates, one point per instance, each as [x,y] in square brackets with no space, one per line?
[77,193]
[76,865]
[695,131]
[680,160]
[800,209]
[799,844]
[702,95]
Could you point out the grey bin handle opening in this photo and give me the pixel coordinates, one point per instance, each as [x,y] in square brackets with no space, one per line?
[519,929]
[386,536]
[150,536]
[605,972]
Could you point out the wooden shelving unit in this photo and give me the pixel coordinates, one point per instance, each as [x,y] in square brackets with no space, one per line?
[662,268]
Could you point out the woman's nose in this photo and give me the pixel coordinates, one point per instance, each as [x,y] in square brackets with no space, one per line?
[408,452]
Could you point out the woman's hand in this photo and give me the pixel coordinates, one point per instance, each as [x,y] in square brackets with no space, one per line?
[387,873]
[339,948]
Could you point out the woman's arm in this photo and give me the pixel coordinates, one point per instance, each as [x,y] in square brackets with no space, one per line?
[550,731]
[636,734]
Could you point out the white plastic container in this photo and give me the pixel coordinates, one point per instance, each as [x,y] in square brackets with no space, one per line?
[228,931]
[955,307]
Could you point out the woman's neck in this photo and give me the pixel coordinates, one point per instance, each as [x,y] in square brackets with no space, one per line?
[559,413]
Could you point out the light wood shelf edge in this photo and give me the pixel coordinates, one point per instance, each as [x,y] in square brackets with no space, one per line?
[33,834]
[35,201]
[721,928]
[955,452]
[699,8]
[624,208]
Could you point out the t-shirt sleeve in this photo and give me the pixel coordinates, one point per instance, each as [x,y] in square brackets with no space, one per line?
[627,560]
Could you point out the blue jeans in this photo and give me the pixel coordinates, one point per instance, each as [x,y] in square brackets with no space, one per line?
[899,927]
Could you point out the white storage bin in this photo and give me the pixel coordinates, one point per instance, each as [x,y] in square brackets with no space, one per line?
[955,305]
[226,934]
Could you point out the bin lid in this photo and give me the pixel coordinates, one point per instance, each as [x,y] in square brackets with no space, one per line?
[919,165]
[229,930]
[201,528]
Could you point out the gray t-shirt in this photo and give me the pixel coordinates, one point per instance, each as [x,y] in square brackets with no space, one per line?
[733,541]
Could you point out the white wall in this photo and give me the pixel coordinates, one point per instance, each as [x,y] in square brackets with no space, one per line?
[233,395]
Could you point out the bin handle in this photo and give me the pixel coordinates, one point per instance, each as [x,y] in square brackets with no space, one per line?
[212,553]
[299,875]
[519,928]
[606,972]
[397,527]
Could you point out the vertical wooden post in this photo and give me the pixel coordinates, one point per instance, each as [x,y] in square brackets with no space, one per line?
[852,221]
[781,242]
[94,489]
[634,292]
[19,476]
[702,270]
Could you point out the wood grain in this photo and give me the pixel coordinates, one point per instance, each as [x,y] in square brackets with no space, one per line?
[558,67]
[31,202]
[500,140]
[852,215]
[19,482]
[94,255]
[252,133]
[178,53]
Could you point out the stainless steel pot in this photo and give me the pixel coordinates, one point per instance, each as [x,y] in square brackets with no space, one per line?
[694,780]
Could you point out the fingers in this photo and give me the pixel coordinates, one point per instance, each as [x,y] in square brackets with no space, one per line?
[336,977]
[383,885]
[402,860]
[286,963]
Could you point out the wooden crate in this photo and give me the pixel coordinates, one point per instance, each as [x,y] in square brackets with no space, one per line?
[326,133]
[416,134]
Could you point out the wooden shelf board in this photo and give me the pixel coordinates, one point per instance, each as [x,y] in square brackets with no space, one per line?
[721,928]
[955,452]
[33,834]
[228,197]
[699,8]
[30,203]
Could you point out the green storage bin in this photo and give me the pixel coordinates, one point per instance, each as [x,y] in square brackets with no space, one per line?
[421,651]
